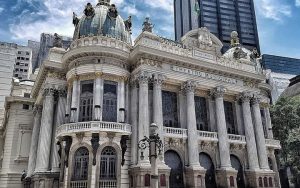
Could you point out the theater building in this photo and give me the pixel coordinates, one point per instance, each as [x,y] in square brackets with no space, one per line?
[94,101]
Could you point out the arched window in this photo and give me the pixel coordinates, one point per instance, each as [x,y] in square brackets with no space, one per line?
[170,111]
[108,167]
[207,164]
[260,182]
[86,101]
[110,101]
[147,180]
[270,182]
[236,164]
[265,182]
[81,164]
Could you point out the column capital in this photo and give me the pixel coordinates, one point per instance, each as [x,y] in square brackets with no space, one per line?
[62,92]
[256,99]
[218,92]
[49,91]
[189,86]
[245,96]
[158,79]
[37,109]
[143,77]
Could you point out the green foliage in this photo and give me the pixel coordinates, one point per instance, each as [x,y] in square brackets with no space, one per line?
[286,128]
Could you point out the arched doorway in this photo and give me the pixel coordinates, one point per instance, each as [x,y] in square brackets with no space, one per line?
[173,160]
[208,165]
[236,164]
[108,168]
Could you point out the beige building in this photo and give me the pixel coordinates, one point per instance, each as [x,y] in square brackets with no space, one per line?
[23,64]
[94,102]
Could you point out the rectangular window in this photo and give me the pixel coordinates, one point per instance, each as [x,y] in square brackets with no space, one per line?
[25,106]
[170,111]
[27,95]
[201,113]
[86,101]
[229,116]
[110,101]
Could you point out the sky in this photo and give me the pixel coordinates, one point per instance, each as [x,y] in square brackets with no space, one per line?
[23,20]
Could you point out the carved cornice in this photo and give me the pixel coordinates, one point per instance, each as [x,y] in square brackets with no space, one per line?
[148,60]
[57,75]
[218,92]
[93,76]
[189,86]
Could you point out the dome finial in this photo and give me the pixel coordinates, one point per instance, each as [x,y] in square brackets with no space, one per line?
[104,2]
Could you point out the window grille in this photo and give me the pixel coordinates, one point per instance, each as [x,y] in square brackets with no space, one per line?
[110,101]
[86,102]
[170,112]
[81,163]
[108,168]
[201,113]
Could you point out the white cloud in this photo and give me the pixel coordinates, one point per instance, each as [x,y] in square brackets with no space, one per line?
[273,9]
[163,4]
[298,3]
[1,10]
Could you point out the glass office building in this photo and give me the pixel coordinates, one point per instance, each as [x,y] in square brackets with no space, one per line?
[221,17]
[284,65]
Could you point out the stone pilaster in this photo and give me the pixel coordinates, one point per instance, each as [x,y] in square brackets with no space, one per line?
[44,147]
[75,101]
[68,105]
[189,88]
[259,134]
[143,79]
[249,131]
[268,123]
[59,120]
[97,97]
[121,113]
[218,94]
[134,122]
[34,140]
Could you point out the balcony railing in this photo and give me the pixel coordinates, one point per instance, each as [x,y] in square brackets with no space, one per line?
[204,135]
[93,126]
[108,184]
[175,132]
[240,139]
[273,143]
[79,184]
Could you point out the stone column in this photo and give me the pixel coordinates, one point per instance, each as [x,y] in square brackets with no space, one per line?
[75,101]
[97,97]
[59,120]
[144,124]
[259,134]
[218,94]
[212,114]
[193,152]
[121,114]
[249,131]
[34,140]
[157,107]
[68,105]
[43,157]
[268,123]
[134,122]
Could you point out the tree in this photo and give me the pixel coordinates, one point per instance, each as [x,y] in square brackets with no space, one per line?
[285,116]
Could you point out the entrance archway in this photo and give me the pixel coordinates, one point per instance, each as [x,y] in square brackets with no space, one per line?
[206,162]
[172,159]
[236,164]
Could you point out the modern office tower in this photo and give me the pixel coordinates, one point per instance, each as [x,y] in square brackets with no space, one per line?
[280,71]
[7,61]
[23,65]
[221,17]
[46,42]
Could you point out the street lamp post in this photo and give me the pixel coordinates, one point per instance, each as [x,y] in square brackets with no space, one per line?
[154,143]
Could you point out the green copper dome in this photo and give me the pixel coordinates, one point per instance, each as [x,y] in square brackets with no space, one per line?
[101,20]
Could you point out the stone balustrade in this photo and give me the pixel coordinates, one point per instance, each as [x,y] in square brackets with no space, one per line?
[204,135]
[79,184]
[239,139]
[175,132]
[273,143]
[67,129]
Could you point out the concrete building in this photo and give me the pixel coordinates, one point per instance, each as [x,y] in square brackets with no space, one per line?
[221,17]
[35,47]
[7,62]
[95,101]
[280,70]
[23,63]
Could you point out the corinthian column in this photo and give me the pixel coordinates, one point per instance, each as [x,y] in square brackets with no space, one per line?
[259,133]
[59,120]
[157,106]
[34,140]
[249,131]
[144,124]
[44,147]
[193,152]
[75,101]
[218,94]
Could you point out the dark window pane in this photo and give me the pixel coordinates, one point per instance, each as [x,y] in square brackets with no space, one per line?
[170,113]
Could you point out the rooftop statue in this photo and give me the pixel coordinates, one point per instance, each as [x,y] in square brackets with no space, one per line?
[57,41]
[75,19]
[204,37]
[128,24]
[254,54]
[235,41]
[104,2]
[147,25]
[113,12]
[239,53]
[89,10]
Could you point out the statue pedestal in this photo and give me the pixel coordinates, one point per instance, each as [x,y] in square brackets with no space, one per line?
[195,177]
[45,180]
